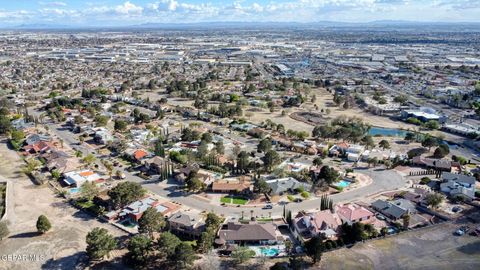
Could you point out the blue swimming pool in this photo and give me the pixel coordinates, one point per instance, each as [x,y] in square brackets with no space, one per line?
[74,190]
[270,252]
[386,132]
[342,184]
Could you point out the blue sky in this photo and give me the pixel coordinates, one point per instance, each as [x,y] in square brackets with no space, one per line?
[121,12]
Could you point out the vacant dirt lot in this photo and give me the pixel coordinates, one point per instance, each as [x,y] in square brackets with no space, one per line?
[430,248]
[61,248]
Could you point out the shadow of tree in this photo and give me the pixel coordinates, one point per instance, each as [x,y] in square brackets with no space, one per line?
[26,235]
[78,260]
[471,248]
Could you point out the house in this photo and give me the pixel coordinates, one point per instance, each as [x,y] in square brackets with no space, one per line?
[323,223]
[36,138]
[60,161]
[439,164]
[21,124]
[155,164]
[338,149]
[191,224]
[289,184]
[231,186]
[102,136]
[77,178]
[182,173]
[237,233]
[135,210]
[352,213]
[137,155]
[395,209]
[458,185]
[38,147]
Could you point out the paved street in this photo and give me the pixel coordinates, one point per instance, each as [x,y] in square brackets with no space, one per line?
[383,180]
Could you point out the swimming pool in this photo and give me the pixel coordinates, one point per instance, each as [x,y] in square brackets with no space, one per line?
[342,184]
[269,252]
[386,132]
[74,190]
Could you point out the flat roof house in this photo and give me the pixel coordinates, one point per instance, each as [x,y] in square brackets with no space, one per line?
[77,178]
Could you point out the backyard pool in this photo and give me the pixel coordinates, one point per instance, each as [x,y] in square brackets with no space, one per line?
[342,184]
[74,190]
[269,252]
[387,132]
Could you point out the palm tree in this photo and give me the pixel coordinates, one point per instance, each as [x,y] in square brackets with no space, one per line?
[89,159]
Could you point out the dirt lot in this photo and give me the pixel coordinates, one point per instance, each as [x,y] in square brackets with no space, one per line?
[430,248]
[61,248]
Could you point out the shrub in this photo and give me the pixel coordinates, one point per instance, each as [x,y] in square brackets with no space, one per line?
[425,180]
[305,194]
[290,198]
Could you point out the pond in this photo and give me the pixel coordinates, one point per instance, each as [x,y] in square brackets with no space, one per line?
[386,132]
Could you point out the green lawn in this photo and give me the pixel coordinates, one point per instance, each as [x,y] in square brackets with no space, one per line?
[233,200]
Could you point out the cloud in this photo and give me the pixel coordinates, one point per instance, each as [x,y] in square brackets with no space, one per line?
[128,8]
[53,4]
[132,12]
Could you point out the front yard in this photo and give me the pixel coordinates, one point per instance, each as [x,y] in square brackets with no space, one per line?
[233,200]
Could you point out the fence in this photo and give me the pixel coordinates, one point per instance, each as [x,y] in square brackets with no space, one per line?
[437,173]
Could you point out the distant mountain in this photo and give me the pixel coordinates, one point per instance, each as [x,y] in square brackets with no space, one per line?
[387,24]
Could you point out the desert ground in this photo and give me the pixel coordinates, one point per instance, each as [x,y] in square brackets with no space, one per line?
[63,247]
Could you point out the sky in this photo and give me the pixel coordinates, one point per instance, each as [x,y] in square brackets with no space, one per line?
[134,12]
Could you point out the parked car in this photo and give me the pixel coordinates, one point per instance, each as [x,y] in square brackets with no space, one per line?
[461,231]
[268,206]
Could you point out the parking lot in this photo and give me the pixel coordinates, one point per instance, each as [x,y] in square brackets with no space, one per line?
[430,248]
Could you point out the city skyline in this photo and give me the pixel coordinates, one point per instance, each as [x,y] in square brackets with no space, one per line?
[134,12]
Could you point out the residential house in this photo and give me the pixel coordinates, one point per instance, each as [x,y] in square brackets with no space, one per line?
[38,147]
[458,185]
[395,209]
[155,164]
[231,186]
[324,223]
[137,155]
[191,224]
[339,149]
[439,164]
[237,233]
[182,173]
[60,161]
[21,124]
[289,184]
[352,213]
[77,178]
[102,136]
[35,138]
[135,210]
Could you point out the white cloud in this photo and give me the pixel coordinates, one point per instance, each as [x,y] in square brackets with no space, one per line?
[130,12]
[53,4]
[128,8]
